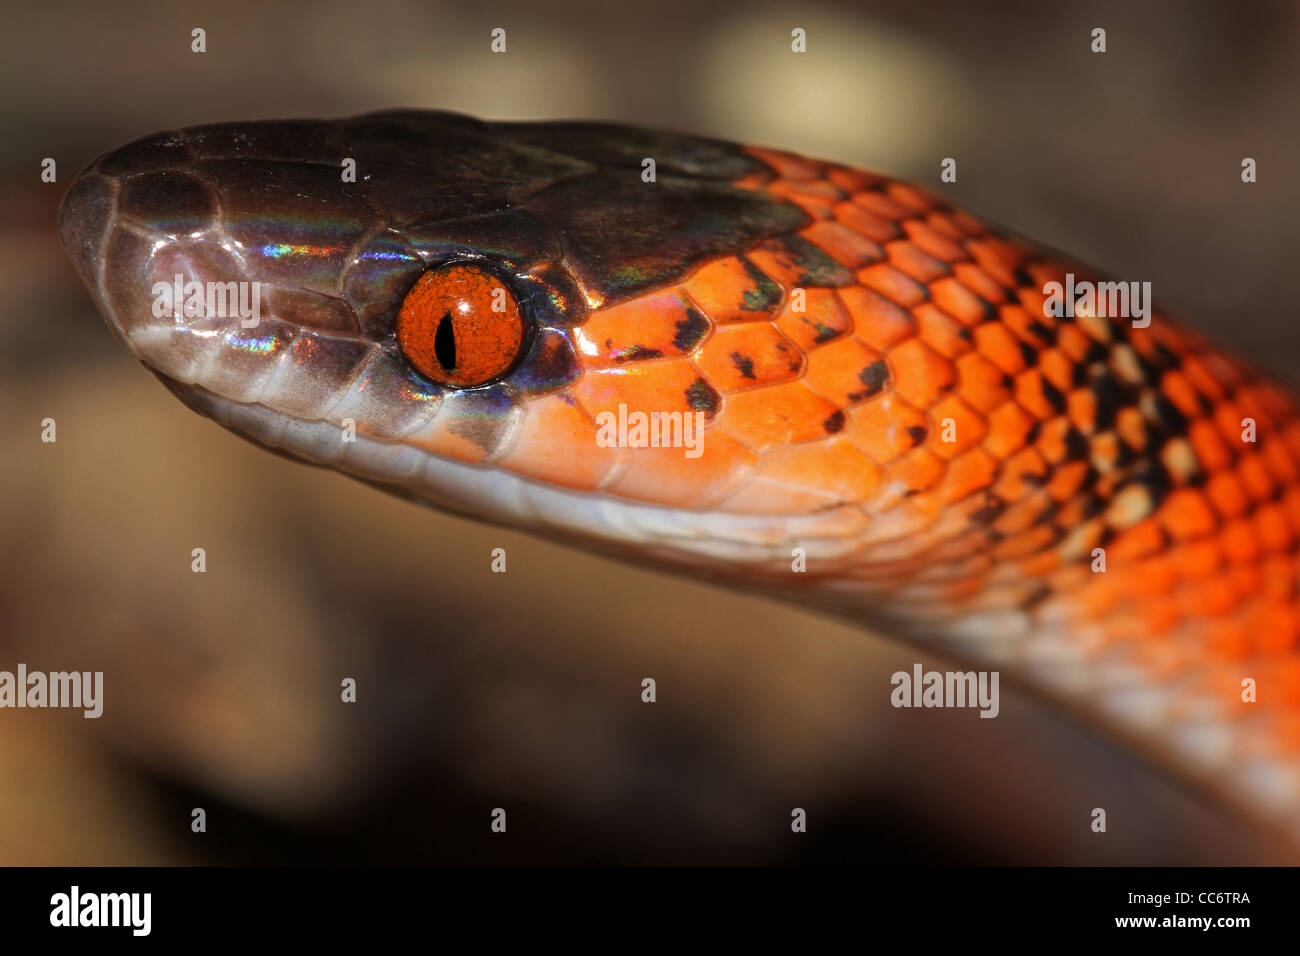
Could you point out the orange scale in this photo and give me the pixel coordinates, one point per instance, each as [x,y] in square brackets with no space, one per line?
[961,552]
[1274,627]
[653,326]
[1072,341]
[1041,565]
[1201,378]
[922,511]
[1247,399]
[1034,302]
[1178,339]
[1187,515]
[1197,559]
[946,226]
[1043,271]
[1135,542]
[1081,409]
[967,430]
[1278,574]
[876,321]
[817,198]
[926,238]
[894,284]
[959,301]
[1057,369]
[968,224]
[1022,321]
[1272,528]
[961,590]
[1255,478]
[967,473]
[867,224]
[787,165]
[1283,675]
[1240,545]
[908,258]
[1229,372]
[1161,659]
[1229,641]
[1291,504]
[822,320]
[779,415]
[1278,461]
[1101,595]
[911,197]
[1132,428]
[1105,452]
[1022,474]
[981,382]
[1107,485]
[1143,342]
[1073,516]
[559,445]
[748,354]
[777,261]
[853,180]
[885,427]
[1245,579]
[842,244]
[918,470]
[1067,480]
[1008,430]
[1030,394]
[1226,494]
[878,203]
[665,476]
[1278,402]
[1052,440]
[1228,418]
[941,331]
[998,258]
[804,478]
[733,290]
[995,342]
[1025,544]
[921,375]
[845,372]
[672,386]
[1211,450]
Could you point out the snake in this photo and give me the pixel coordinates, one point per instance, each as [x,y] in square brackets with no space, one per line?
[869,401]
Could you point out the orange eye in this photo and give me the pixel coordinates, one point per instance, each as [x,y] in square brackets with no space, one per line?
[460,326]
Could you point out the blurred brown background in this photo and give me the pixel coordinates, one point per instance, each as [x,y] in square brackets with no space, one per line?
[522,690]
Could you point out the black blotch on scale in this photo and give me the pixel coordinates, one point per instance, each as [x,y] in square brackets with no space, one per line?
[688,332]
[701,397]
[744,364]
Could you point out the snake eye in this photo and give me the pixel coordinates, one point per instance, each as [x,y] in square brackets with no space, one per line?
[460,326]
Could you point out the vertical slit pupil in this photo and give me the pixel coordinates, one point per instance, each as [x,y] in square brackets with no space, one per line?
[444,343]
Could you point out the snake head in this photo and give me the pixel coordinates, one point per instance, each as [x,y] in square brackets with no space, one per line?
[331,231]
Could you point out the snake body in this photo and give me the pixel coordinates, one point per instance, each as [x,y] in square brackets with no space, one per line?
[896,428]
